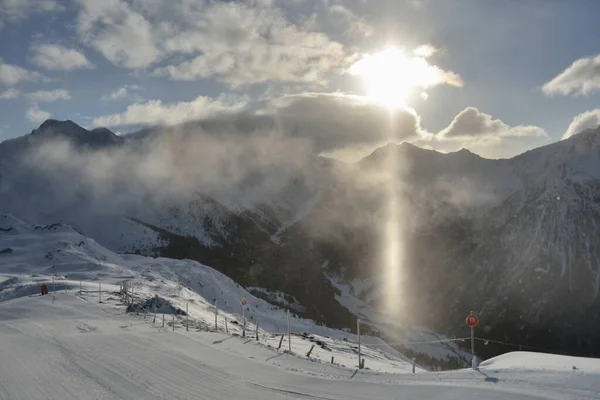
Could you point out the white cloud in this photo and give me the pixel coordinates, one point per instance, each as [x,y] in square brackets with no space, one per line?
[17,10]
[9,94]
[488,137]
[580,78]
[237,42]
[242,45]
[583,121]
[124,93]
[11,75]
[120,34]
[49,96]
[37,116]
[473,123]
[425,51]
[57,57]
[154,112]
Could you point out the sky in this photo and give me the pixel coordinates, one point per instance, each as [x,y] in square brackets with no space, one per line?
[497,78]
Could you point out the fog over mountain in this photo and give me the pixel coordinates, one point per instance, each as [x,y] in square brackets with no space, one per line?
[515,240]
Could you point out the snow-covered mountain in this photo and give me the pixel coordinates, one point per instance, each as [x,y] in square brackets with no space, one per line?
[515,240]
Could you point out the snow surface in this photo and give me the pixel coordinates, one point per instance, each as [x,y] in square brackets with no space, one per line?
[71,345]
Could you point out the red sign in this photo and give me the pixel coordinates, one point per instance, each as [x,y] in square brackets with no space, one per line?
[244,302]
[472,321]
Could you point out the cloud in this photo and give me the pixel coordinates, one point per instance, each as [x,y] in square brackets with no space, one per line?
[473,123]
[154,112]
[479,132]
[238,43]
[121,35]
[124,92]
[57,57]
[583,121]
[328,122]
[354,25]
[425,50]
[11,75]
[580,78]
[17,10]
[49,96]
[335,121]
[35,115]
[9,94]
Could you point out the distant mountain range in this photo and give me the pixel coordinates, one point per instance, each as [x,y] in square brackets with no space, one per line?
[517,240]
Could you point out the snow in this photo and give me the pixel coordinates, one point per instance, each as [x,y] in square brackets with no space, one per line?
[69,345]
[43,253]
[528,361]
[76,348]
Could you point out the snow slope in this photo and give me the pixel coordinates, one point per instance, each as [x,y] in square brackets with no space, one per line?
[72,344]
[33,254]
[76,348]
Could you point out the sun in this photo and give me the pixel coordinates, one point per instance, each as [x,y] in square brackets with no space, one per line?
[391,75]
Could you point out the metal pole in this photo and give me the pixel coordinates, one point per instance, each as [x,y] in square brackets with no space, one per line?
[358,335]
[472,345]
[244,317]
[187,316]
[216,314]
[289,333]
[473,362]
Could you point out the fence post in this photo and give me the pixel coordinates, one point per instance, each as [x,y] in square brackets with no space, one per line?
[414,361]
[257,322]
[310,351]
[187,316]
[216,314]
[358,336]
[280,341]
[244,317]
[99,292]
[67,285]
[226,328]
[80,287]
[163,320]
[289,334]
[155,301]
[332,359]
[173,321]
[53,286]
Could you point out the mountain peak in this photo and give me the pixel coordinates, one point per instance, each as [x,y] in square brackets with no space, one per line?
[55,124]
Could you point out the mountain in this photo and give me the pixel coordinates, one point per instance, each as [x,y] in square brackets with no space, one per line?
[514,240]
